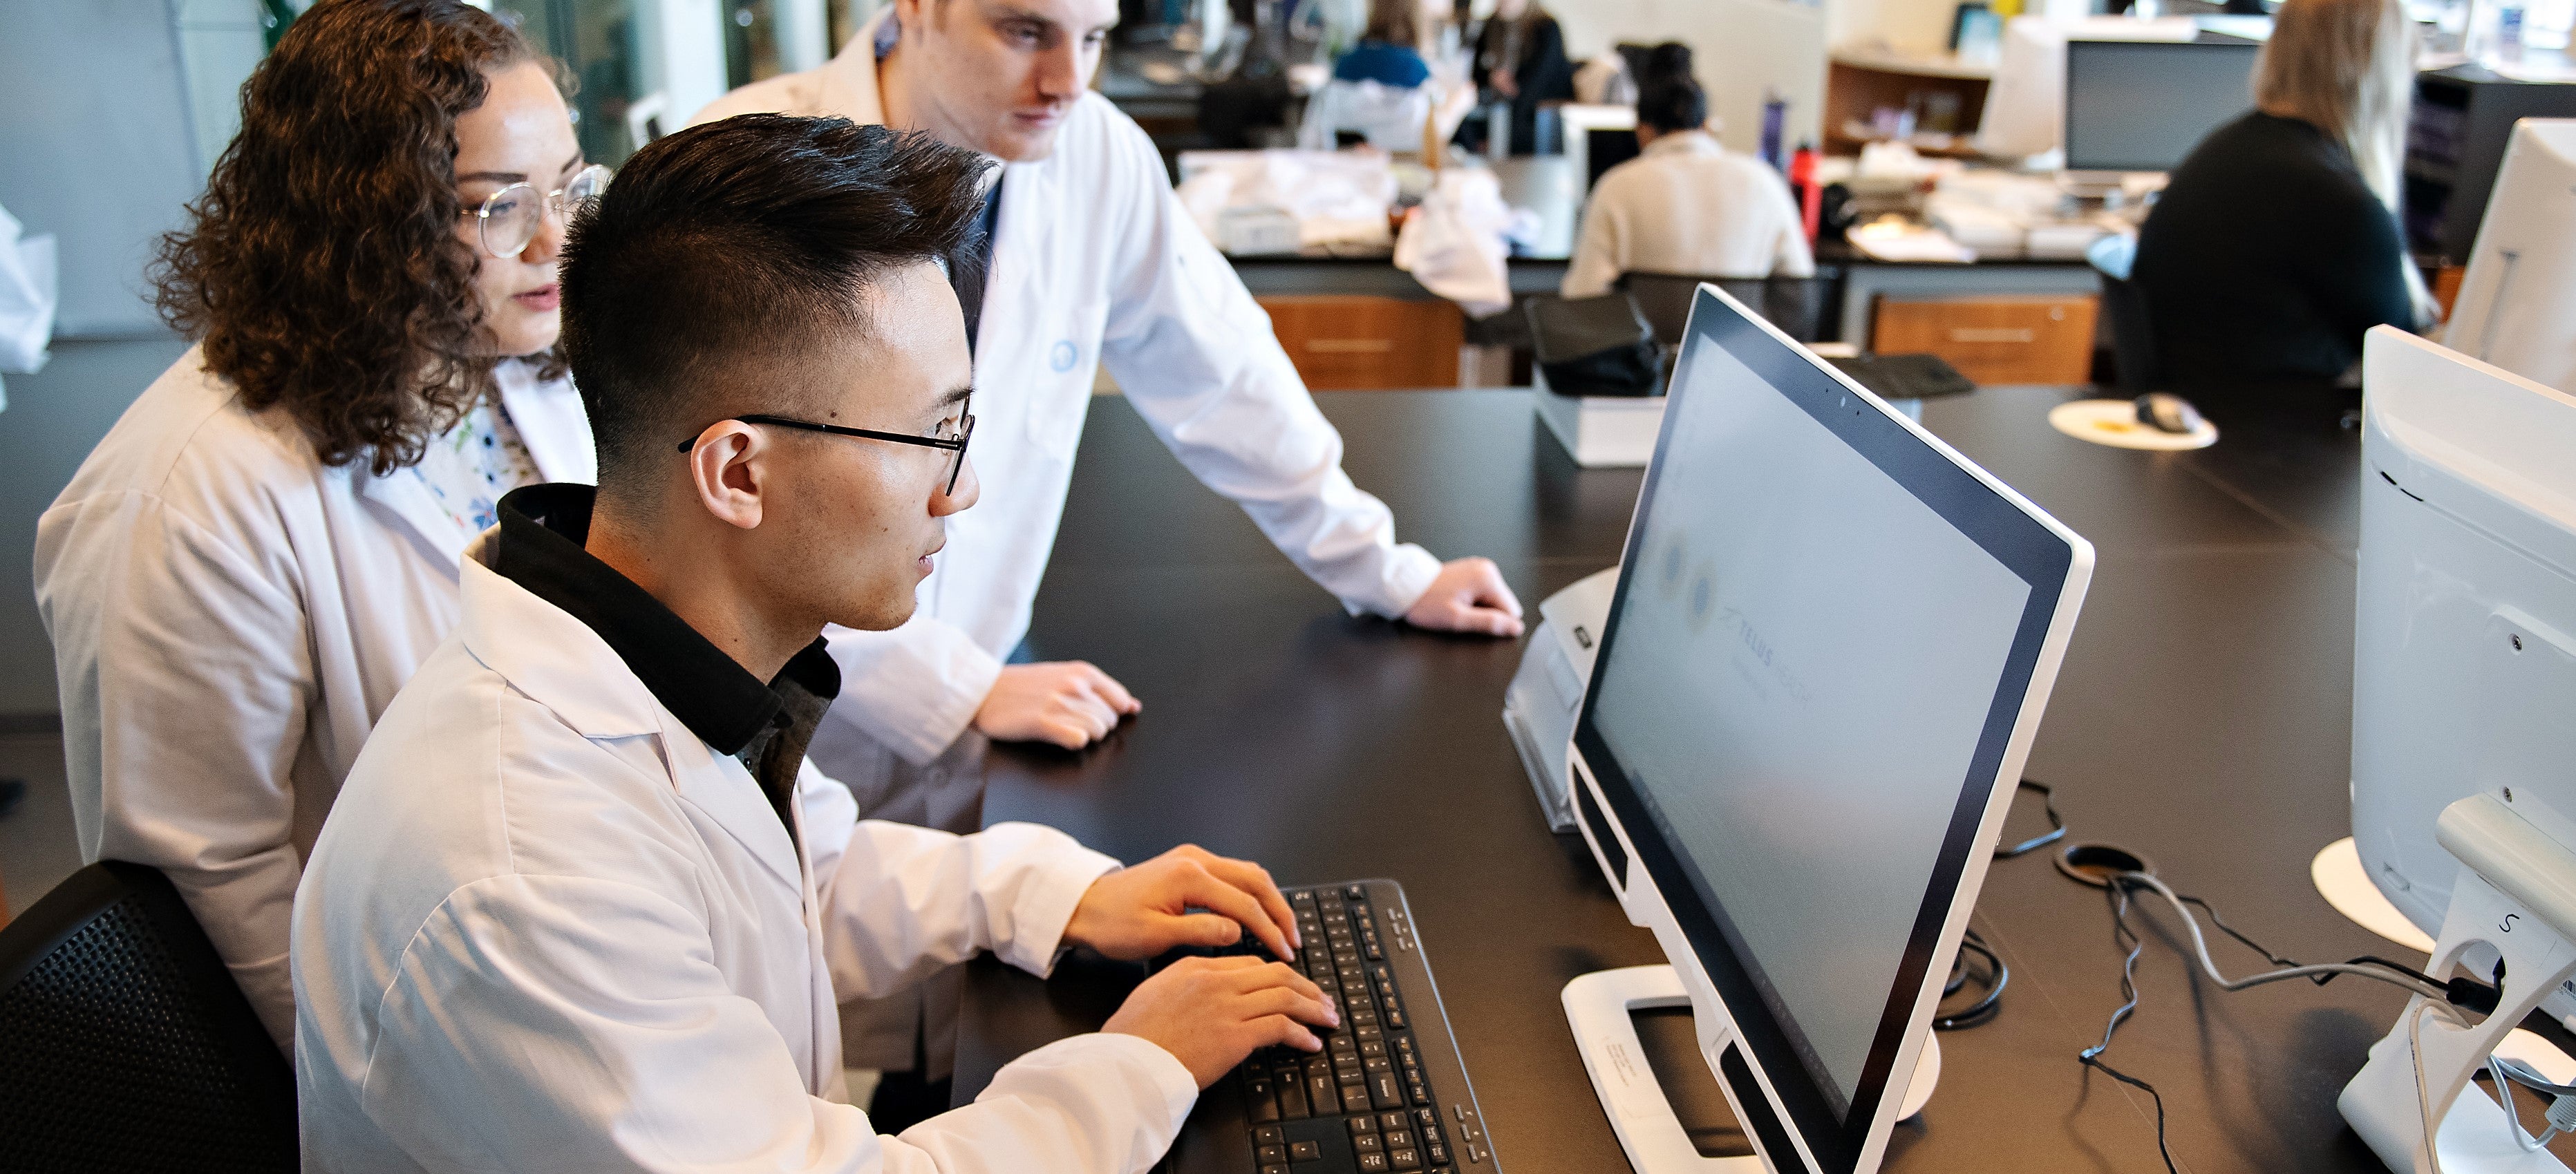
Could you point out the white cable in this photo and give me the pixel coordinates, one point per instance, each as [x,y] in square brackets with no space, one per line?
[2504,1100]
[2200,945]
[2423,1095]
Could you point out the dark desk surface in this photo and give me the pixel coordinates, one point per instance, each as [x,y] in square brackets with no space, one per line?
[2202,718]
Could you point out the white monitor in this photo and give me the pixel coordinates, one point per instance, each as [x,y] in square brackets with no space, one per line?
[2517,302]
[1824,663]
[2025,112]
[2464,640]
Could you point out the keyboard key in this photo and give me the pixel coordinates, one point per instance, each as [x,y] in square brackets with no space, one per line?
[1399,1139]
[1367,1033]
[1354,1095]
[1405,1159]
[1368,1047]
[1366,1142]
[1364,1123]
[1304,1151]
[1355,892]
[1394,1014]
[1274,1170]
[1390,1121]
[1421,1092]
[1384,1093]
[1292,1100]
[1429,1120]
[1370,1163]
[1323,1093]
[1271,1155]
[1436,1153]
[1269,1135]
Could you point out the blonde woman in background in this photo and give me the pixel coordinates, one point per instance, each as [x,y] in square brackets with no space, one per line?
[2277,245]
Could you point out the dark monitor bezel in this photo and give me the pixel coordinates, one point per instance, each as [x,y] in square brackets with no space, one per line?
[2205,43]
[2005,530]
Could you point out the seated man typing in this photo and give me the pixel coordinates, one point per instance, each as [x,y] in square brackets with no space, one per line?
[582,904]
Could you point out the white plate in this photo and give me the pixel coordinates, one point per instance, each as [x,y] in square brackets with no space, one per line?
[2114,422]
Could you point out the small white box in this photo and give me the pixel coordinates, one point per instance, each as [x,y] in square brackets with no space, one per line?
[1603,431]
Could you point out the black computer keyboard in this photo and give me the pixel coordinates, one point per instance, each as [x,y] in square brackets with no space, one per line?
[1388,1095]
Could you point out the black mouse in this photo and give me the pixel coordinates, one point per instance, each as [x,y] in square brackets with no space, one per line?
[2167,412]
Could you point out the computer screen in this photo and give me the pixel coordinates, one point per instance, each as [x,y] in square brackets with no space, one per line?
[1824,632]
[2143,105]
[1605,149]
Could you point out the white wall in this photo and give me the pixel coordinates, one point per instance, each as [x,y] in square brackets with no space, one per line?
[1907,25]
[1743,49]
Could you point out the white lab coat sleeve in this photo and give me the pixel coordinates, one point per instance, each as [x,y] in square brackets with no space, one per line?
[900,901]
[914,689]
[184,672]
[1196,356]
[578,1024]
[1595,267]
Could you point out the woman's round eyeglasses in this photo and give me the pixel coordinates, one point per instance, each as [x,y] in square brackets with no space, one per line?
[509,218]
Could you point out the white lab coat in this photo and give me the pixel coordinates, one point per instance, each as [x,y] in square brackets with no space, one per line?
[1689,207]
[229,616]
[1096,263]
[549,928]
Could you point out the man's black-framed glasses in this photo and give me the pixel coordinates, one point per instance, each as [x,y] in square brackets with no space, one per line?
[955,445]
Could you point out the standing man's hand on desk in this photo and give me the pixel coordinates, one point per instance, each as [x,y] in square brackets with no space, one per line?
[1068,703]
[1469,596]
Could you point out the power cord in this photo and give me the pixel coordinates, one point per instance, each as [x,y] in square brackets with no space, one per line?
[1997,975]
[2465,992]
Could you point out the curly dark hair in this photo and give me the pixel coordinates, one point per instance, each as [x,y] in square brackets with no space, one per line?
[321,269]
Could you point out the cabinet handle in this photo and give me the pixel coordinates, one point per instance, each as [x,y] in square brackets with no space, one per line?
[1993,334]
[1350,346]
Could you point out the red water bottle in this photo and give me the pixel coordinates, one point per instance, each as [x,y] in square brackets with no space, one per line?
[1811,196]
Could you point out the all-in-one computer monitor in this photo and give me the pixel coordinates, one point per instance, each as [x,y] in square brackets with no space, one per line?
[1824,664]
[2517,304]
[2464,642]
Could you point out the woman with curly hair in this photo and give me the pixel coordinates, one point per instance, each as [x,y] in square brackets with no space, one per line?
[266,545]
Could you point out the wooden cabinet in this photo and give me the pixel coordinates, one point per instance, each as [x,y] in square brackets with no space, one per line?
[2035,339]
[1357,343]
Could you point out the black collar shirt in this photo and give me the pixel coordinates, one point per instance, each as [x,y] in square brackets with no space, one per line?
[764,725]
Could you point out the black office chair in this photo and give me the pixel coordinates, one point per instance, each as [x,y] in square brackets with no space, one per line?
[124,1043]
[2133,339]
[1794,304]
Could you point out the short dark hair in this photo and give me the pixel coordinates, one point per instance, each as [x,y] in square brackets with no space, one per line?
[736,250]
[1671,104]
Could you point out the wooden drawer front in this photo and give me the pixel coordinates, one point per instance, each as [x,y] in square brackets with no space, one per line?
[1357,343]
[2039,339]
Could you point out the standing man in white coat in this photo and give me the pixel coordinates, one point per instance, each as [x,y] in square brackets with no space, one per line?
[1093,262]
[584,905]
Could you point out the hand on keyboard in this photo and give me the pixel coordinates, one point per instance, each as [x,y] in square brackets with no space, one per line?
[1139,912]
[1212,1013]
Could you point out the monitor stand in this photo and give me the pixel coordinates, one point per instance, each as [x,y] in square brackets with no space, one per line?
[1597,1005]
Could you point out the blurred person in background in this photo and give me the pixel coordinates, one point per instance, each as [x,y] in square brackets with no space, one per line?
[1685,205]
[2276,246]
[1520,61]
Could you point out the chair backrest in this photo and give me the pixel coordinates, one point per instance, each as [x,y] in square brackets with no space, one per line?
[127,1045]
[1794,304]
[2133,339]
